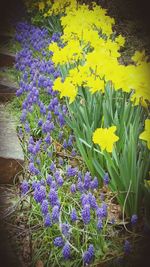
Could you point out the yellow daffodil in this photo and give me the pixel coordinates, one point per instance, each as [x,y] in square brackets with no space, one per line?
[139,56]
[120,40]
[105,138]
[41,6]
[146,134]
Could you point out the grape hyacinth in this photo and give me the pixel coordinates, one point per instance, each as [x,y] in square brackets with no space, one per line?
[86,214]
[24,187]
[134,219]
[127,247]
[88,255]
[73,215]
[66,251]
[47,220]
[58,241]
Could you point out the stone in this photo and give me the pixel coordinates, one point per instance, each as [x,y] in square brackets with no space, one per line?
[7,59]
[11,154]
[7,90]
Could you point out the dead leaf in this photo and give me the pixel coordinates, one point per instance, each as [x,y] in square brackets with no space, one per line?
[39,263]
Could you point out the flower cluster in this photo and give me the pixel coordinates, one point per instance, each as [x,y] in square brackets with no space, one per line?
[87,42]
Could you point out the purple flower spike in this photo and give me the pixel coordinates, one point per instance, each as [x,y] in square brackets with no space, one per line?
[71,171]
[24,187]
[88,255]
[92,201]
[94,183]
[49,180]
[134,219]
[99,225]
[87,180]
[44,207]
[47,220]
[58,241]
[106,179]
[65,229]
[53,197]
[73,188]
[55,214]
[86,214]
[127,247]
[66,251]
[52,167]
[73,215]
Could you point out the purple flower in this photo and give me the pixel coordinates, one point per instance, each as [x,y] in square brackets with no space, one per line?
[34,184]
[44,207]
[27,127]
[71,171]
[104,207]
[99,224]
[87,180]
[49,179]
[80,186]
[65,145]
[65,229]
[127,247]
[48,139]
[66,251]
[31,167]
[73,215]
[61,119]
[47,220]
[54,185]
[106,179]
[55,214]
[24,187]
[134,219]
[58,241]
[40,194]
[52,167]
[42,182]
[92,201]
[60,181]
[53,197]
[85,200]
[94,183]
[40,122]
[86,214]
[73,188]
[80,175]
[73,153]
[88,255]
[101,212]
[70,140]
[57,174]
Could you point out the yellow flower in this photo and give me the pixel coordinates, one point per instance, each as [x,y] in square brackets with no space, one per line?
[120,40]
[69,90]
[57,86]
[41,6]
[139,56]
[95,84]
[105,138]
[66,88]
[146,134]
